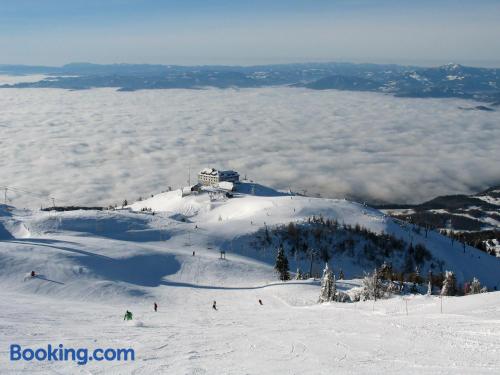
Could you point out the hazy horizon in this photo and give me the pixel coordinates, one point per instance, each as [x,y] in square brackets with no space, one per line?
[424,63]
[221,32]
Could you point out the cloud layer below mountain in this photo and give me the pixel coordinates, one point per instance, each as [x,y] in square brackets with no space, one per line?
[102,146]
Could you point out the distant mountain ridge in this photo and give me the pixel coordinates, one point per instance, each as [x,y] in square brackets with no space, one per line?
[475,218]
[447,81]
[487,199]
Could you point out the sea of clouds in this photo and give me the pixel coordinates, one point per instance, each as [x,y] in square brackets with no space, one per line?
[6,79]
[101,146]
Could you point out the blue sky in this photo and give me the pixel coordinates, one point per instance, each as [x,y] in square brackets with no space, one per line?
[194,32]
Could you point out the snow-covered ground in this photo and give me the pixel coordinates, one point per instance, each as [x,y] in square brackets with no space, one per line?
[92,266]
[289,334]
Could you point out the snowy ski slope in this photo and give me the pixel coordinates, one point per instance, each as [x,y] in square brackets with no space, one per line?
[93,265]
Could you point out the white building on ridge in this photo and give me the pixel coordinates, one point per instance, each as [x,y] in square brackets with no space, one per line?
[212,176]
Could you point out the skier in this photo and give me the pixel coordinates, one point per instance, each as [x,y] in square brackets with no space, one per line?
[128,316]
[156,307]
[214,306]
[260,301]
[33,274]
[193,253]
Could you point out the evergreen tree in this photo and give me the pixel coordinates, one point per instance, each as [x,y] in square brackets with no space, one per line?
[392,288]
[341,275]
[475,286]
[449,284]
[328,288]
[414,288]
[372,287]
[385,271]
[298,275]
[266,235]
[409,265]
[282,265]
[334,288]
[418,278]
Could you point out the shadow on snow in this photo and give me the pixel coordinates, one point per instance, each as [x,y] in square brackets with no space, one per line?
[141,270]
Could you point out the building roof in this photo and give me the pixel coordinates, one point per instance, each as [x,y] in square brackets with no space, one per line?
[215,172]
[226,185]
[210,171]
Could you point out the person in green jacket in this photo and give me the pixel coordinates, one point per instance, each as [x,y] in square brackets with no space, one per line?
[128,316]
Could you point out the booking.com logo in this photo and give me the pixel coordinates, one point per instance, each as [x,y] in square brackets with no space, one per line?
[59,353]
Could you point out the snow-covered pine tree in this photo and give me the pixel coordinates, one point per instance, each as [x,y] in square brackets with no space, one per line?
[334,289]
[429,288]
[385,271]
[328,287]
[429,284]
[372,287]
[282,265]
[418,279]
[475,286]
[392,288]
[298,274]
[449,284]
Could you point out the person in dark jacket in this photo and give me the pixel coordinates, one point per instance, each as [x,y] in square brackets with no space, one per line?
[156,307]
[260,302]
[128,316]
[214,306]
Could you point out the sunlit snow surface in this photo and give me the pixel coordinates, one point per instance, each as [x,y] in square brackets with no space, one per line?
[92,266]
[101,146]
